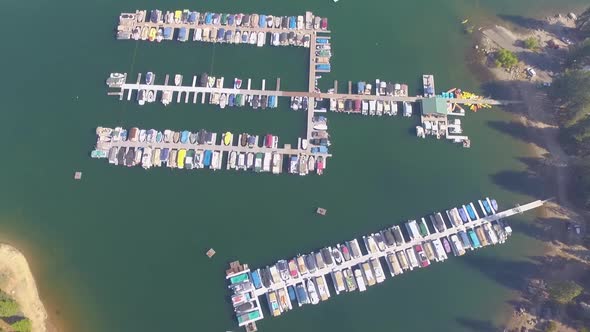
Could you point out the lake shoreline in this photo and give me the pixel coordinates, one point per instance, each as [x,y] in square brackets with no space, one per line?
[18,281]
[535,117]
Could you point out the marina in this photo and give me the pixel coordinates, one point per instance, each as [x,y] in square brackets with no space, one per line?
[350,269]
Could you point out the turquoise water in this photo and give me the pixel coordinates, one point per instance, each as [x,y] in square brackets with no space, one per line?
[123,249]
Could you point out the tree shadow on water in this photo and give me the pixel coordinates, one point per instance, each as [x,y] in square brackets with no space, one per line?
[508,273]
[477,325]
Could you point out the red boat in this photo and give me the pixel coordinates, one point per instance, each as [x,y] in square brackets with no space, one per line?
[268,141]
[424,262]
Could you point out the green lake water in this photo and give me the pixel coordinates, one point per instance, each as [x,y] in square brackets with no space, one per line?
[123,249]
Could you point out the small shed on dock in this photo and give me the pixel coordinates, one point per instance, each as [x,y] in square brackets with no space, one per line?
[435,106]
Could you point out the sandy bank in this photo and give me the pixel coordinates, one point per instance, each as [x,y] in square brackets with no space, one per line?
[17,280]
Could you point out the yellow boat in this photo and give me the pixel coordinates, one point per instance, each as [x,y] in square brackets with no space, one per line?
[180,158]
[177,15]
[152,34]
[228,138]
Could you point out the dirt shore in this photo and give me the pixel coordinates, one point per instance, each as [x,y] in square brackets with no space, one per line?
[558,261]
[17,280]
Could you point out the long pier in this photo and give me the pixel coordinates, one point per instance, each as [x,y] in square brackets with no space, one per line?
[157,88]
[242,281]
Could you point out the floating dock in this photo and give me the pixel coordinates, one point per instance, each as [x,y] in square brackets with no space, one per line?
[337,261]
[202,149]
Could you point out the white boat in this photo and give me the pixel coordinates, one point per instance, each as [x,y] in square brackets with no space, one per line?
[322,288]
[151,96]
[311,291]
[261,39]
[372,107]
[320,126]
[360,281]
[379,276]
[241,161]
[267,162]
[250,160]
[232,160]
[276,163]
[198,34]
[237,83]
[311,163]
[146,159]
[304,144]
[223,100]
[253,38]
[177,79]
[141,96]
[216,160]
[407,109]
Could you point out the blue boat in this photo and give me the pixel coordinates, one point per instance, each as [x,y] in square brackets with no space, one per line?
[464,239]
[487,206]
[291,291]
[207,161]
[167,34]
[471,212]
[192,17]
[323,66]
[463,214]
[184,136]
[124,135]
[230,20]
[245,37]
[322,40]
[494,204]
[159,137]
[292,22]
[182,34]
[262,21]
[268,101]
[208,18]
[231,100]
[256,279]
[220,34]
[319,149]
[229,36]
[164,155]
[360,87]
[301,295]
[474,239]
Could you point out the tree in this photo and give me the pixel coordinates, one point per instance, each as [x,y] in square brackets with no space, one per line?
[8,308]
[531,43]
[506,59]
[23,325]
[564,292]
[572,92]
[551,327]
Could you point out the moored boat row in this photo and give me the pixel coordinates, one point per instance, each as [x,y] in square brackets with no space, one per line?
[351,269]
[196,150]
[155,25]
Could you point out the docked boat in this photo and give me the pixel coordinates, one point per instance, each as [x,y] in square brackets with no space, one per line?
[293,162]
[141,97]
[456,245]
[394,266]
[149,78]
[237,83]
[319,260]
[216,160]
[177,79]
[227,138]
[349,278]
[276,163]
[463,214]
[338,280]
[446,245]
[403,260]
[284,301]
[344,250]
[412,259]
[241,161]
[322,288]
[232,162]
[261,39]
[313,295]
[407,106]
[327,256]
[258,162]
[293,272]
[337,256]
[379,240]
[283,268]
[250,160]
[360,280]
[424,262]
[304,144]
[223,100]
[379,275]
[368,273]
[310,263]
[311,163]
[273,303]
[253,38]
[301,265]
[301,293]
